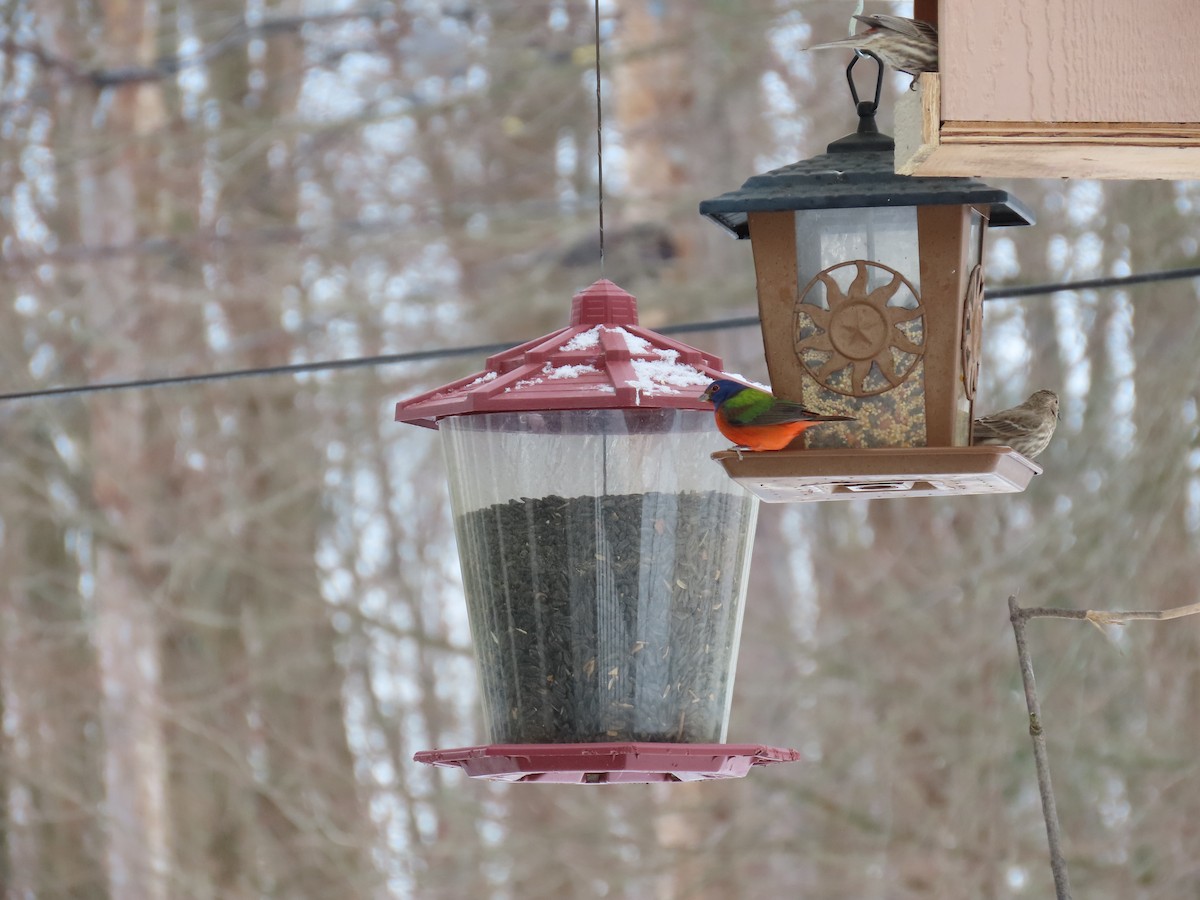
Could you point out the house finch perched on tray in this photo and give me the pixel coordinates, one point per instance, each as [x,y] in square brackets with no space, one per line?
[756,420]
[1026,428]
[906,45]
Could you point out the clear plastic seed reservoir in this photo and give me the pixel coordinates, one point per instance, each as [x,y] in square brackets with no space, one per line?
[604,559]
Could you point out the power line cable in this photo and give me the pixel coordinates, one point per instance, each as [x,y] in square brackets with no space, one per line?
[1030,290]
[416,356]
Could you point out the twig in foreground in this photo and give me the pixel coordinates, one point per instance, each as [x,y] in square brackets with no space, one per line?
[1106,617]
[1058,865]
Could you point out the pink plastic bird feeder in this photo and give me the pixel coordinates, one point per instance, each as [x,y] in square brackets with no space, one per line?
[604,555]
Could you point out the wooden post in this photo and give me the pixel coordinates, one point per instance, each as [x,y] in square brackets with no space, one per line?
[773,240]
[943,234]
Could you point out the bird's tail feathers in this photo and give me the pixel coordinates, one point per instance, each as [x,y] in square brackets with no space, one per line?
[846,43]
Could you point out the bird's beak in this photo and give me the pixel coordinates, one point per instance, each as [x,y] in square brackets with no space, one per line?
[708,392]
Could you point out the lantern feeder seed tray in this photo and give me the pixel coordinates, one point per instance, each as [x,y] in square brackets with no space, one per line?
[870,294]
[604,555]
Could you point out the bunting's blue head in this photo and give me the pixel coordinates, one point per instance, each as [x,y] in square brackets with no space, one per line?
[721,390]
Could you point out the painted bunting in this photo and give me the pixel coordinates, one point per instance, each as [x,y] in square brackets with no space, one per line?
[756,420]
[1026,428]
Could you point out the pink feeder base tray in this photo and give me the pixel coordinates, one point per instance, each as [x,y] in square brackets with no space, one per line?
[616,763]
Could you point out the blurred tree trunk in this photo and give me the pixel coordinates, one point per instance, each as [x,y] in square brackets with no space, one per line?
[653,99]
[116,205]
[314,834]
[1046,365]
[1166,332]
[457,852]
[686,100]
[216,849]
[51,688]
[52,755]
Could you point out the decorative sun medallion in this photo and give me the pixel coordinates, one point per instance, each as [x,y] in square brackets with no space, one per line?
[878,334]
[972,335]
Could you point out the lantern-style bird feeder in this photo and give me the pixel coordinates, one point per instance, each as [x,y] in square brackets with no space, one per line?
[604,556]
[870,293]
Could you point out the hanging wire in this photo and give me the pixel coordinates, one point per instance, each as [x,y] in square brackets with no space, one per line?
[599,136]
[1029,290]
[600,193]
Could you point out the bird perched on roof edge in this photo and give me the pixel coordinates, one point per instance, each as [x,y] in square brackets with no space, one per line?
[757,420]
[1027,428]
[907,45]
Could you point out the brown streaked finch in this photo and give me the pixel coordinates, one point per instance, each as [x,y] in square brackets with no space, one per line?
[1026,428]
[907,45]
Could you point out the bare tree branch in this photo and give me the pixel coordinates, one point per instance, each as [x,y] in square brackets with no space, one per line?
[166,66]
[1109,617]
[1058,865]
[1018,617]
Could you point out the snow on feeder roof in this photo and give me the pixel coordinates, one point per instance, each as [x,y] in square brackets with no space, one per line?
[602,360]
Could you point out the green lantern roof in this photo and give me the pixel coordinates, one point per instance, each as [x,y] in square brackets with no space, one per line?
[855,171]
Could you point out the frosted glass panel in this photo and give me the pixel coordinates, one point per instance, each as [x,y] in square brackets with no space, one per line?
[975,239]
[888,235]
[859,328]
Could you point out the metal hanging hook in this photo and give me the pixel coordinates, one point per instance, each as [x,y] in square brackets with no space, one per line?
[866,108]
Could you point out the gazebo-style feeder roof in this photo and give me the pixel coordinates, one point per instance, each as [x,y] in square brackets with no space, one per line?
[602,360]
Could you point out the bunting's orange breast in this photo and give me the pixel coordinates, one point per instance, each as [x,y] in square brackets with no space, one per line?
[761,437]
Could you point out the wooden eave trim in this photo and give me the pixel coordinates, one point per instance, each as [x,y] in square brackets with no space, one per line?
[1182,134]
[1121,150]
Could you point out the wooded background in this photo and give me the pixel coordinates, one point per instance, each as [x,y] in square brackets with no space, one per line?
[230,613]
